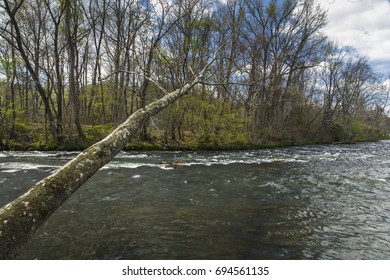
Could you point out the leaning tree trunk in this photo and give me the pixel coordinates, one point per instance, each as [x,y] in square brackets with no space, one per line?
[20,218]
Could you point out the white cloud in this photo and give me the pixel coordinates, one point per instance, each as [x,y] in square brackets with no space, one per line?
[362,24]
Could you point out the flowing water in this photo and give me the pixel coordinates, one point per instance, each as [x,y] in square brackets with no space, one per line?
[311,202]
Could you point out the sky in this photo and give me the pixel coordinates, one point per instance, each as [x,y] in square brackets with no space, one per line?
[364,25]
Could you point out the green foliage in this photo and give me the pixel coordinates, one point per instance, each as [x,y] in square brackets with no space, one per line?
[216,122]
[98,132]
[351,129]
[6,63]
[204,23]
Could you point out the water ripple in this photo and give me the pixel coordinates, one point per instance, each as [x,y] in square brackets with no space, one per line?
[310,202]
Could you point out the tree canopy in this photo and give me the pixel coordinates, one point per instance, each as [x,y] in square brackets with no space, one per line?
[72,70]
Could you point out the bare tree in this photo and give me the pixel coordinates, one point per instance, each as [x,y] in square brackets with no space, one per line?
[330,73]
[56,13]
[96,15]
[12,33]
[281,39]
[73,35]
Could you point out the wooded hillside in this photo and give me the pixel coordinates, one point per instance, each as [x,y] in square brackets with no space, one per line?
[71,71]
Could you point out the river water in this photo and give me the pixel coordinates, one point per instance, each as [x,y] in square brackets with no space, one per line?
[310,202]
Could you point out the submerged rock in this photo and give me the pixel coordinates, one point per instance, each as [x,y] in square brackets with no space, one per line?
[173,164]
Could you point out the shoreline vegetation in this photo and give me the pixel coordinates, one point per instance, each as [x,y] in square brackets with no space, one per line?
[158,143]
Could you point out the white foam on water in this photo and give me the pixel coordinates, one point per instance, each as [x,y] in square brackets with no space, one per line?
[9,170]
[131,165]
[118,165]
[21,166]
[133,156]
[33,154]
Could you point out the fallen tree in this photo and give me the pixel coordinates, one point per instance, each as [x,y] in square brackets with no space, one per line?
[22,217]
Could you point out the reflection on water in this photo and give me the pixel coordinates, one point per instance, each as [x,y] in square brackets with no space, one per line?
[313,202]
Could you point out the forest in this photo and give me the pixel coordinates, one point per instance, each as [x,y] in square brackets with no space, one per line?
[72,71]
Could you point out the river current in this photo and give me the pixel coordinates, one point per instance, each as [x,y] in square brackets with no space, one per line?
[310,202]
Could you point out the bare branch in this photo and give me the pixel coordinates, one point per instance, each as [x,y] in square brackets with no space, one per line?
[138,74]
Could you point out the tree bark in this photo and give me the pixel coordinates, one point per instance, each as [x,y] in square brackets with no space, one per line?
[20,218]
[71,31]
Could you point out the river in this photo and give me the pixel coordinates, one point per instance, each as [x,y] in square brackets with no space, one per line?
[310,202]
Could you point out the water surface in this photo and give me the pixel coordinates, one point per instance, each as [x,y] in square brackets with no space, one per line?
[311,202]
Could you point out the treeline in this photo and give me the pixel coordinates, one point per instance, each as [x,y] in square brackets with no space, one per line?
[70,71]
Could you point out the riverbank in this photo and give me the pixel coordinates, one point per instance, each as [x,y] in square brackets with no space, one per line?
[154,144]
[139,145]
[213,137]
[36,139]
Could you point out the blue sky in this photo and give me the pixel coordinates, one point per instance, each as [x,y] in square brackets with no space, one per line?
[364,25]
